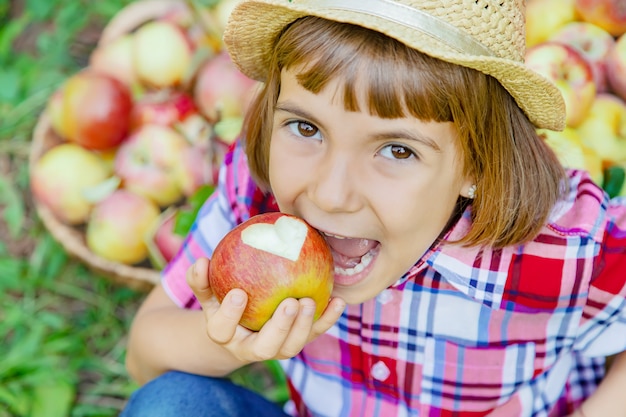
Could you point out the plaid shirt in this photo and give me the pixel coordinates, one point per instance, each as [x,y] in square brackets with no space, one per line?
[520,331]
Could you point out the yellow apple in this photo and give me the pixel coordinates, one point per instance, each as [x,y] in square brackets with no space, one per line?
[118,227]
[545,17]
[60,178]
[604,128]
[573,153]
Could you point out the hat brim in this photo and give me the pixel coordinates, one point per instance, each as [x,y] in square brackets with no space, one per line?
[254,25]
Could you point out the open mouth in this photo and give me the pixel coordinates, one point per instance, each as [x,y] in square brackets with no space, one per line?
[352,256]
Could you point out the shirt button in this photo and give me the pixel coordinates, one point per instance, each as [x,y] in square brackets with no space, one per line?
[380,371]
[384,297]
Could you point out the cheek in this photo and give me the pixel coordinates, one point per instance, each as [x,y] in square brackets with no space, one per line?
[283,175]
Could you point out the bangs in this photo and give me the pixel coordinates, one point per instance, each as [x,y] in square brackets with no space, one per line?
[376,71]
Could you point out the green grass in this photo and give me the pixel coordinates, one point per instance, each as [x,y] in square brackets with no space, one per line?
[63,327]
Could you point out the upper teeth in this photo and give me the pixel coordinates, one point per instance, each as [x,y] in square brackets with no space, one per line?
[335,236]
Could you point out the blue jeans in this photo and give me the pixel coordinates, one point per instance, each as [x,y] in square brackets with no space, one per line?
[179,394]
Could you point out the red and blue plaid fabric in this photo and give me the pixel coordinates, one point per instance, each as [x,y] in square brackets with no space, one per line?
[521,331]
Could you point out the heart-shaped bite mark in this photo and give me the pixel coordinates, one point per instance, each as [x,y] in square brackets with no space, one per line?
[283,238]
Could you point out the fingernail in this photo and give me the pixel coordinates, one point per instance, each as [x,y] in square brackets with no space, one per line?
[308,310]
[236,300]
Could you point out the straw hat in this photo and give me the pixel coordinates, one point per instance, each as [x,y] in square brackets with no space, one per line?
[487,35]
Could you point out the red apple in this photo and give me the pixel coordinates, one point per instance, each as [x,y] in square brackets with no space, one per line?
[593,42]
[163,54]
[118,226]
[608,14]
[60,178]
[570,71]
[221,90]
[95,110]
[195,169]
[162,107]
[604,129]
[616,67]
[272,257]
[148,163]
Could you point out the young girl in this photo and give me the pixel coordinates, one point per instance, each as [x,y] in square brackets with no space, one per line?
[473,275]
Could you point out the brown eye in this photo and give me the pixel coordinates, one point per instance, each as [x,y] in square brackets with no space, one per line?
[400,152]
[306,129]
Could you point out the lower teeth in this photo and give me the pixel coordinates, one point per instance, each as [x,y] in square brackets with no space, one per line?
[365,261]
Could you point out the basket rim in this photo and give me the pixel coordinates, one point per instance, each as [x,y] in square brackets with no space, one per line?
[69,237]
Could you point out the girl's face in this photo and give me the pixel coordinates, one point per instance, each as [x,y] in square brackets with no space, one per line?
[380,190]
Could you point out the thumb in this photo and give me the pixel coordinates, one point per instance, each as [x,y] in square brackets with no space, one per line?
[198,281]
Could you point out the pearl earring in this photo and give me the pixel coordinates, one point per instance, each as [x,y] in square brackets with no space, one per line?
[471,191]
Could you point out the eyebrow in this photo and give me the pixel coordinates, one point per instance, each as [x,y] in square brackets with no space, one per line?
[392,134]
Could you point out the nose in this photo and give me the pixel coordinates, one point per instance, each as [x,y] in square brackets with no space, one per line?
[335,186]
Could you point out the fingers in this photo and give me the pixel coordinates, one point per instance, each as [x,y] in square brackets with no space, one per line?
[221,319]
[331,314]
[280,327]
[224,323]
[292,326]
[198,280]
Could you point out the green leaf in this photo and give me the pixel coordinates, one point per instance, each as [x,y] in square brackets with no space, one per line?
[41,9]
[9,31]
[185,216]
[9,85]
[614,177]
[53,400]
[11,273]
[13,212]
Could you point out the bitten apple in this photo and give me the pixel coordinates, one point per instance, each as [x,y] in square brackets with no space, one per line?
[570,71]
[272,257]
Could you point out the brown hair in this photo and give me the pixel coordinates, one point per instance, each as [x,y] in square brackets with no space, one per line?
[518,177]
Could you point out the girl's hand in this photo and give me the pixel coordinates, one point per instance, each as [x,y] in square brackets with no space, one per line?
[283,336]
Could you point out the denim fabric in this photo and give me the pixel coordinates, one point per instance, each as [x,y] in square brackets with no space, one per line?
[180,394]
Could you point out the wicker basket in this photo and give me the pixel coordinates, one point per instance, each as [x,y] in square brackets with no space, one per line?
[73,238]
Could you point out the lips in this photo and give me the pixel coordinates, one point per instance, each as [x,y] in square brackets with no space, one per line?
[352,256]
